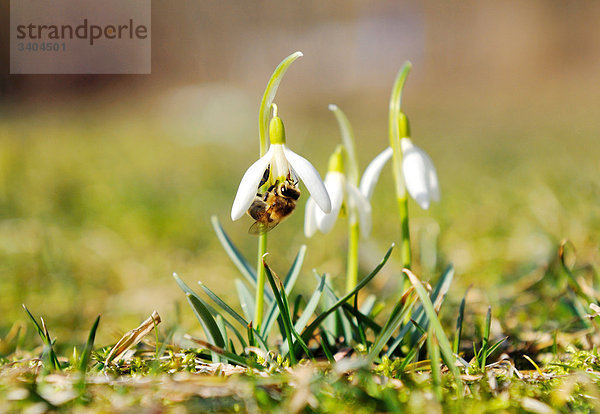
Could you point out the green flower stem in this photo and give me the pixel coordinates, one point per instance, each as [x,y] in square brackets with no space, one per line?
[352,265]
[405,244]
[398,128]
[260,281]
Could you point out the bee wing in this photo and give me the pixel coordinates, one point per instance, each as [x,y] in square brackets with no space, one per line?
[259,228]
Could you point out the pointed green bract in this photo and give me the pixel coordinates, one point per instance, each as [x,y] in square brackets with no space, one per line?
[269,96]
[349,144]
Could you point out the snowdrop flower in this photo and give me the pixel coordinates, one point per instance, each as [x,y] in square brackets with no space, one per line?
[344,195]
[276,166]
[418,170]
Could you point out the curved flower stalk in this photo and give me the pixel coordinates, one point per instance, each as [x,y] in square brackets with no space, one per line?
[341,182]
[413,169]
[420,177]
[344,197]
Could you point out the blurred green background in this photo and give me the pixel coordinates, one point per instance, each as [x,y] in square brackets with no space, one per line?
[107,183]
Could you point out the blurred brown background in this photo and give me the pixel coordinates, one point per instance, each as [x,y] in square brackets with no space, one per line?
[356,46]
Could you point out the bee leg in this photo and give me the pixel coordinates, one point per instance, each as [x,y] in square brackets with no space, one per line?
[265,176]
[257,209]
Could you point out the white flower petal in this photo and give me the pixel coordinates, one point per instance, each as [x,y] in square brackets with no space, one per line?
[311,178]
[432,179]
[249,185]
[371,174]
[279,164]
[310,219]
[415,173]
[360,203]
[335,184]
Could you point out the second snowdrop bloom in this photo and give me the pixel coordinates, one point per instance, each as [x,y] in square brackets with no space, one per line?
[278,166]
[418,170]
[345,197]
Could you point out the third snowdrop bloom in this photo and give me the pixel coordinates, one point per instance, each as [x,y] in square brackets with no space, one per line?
[344,197]
[278,171]
[418,171]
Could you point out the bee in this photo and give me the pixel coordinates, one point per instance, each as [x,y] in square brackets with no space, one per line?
[272,207]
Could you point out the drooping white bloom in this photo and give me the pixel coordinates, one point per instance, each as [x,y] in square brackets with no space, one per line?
[284,163]
[418,170]
[341,192]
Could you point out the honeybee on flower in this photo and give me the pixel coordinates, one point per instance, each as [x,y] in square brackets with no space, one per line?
[269,189]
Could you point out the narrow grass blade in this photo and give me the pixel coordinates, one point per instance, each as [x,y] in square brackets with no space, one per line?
[573,282]
[310,307]
[436,326]
[50,347]
[290,281]
[223,305]
[493,348]
[459,322]
[213,333]
[224,353]
[326,347]
[342,325]
[187,290]
[89,346]
[38,328]
[361,316]
[434,357]
[251,340]
[234,254]
[292,275]
[285,313]
[317,322]
[269,95]
[287,323]
[309,310]
[397,317]
[222,328]
[45,337]
[408,358]
[486,337]
[297,305]
[437,298]
[367,305]
[246,299]
[361,330]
